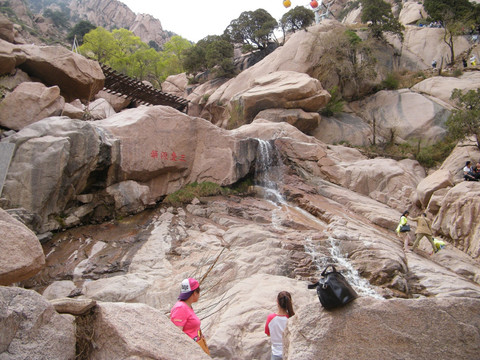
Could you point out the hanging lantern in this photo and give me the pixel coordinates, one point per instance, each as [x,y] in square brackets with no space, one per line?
[287,3]
[313,4]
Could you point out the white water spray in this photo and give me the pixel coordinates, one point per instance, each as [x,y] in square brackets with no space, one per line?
[269,171]
[361,285]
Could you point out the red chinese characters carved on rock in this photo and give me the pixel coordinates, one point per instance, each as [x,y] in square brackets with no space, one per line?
[165,156]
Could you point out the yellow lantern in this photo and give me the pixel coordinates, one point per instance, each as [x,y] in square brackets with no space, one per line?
[287,3]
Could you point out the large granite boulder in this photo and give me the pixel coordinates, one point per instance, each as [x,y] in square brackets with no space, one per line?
[77,76]
[404,115]
[373,329]
[459,217]
[10,57]
[441,87]
[281,89]
[117,102]
[176,84]
[171,149]
[7,32]
[343,128]
[440,179]
[52,163]
[127,331]
[31,328]
[22,255]
[411,12]
[304,121]
[28,103]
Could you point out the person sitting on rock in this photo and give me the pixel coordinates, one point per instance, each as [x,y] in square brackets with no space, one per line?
[423,229]
[468,172]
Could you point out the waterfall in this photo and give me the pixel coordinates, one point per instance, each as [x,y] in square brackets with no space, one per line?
[361,285]
[269,170]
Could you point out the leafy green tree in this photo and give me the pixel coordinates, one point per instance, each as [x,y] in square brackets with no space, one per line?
[379,14]
[212,52]
[465,120]
[195,59]
[252,28]
[455,15]
[79,30]
[100,45]
[296,19]
[219,56]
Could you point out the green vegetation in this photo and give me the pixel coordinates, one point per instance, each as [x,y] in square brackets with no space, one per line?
[465,121]
[204,189]
[213,53]
[348,59]
[253,29]
[296,19]
[126,53]
[391,82]
[79,30]
[428,156]
[335,105]
[378,14]
[59,18]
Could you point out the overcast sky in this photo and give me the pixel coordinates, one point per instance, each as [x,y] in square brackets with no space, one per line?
[193,20]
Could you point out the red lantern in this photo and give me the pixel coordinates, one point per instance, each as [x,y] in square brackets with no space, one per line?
[287,3]
[313,4]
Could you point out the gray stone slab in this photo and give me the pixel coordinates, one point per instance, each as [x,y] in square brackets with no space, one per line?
[6,153]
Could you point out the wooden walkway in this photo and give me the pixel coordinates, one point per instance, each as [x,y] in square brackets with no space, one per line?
[138,92]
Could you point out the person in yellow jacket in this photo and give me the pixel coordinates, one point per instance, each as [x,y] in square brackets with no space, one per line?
[423,229]
[403,229]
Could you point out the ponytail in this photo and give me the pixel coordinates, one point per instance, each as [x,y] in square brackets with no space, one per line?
[285,302]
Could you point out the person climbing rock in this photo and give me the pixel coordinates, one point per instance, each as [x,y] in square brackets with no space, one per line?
[423,229]
[403,229]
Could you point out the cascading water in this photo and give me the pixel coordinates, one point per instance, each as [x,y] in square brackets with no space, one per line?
[269,170]
[361,285]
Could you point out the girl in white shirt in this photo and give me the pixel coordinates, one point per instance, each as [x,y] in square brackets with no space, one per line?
[277,322]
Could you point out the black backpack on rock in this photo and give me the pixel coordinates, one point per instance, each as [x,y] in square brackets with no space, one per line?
[333,290]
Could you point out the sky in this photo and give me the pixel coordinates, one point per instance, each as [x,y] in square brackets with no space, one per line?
[194,20]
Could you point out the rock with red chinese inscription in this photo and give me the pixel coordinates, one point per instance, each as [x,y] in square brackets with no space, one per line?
[77,76]
[304,121]
[281,89]
[165,149]
[22,255]
[128,331]
[28,103]
[117,102]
